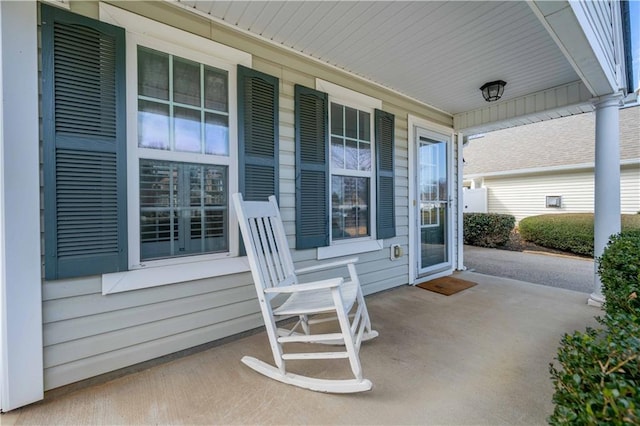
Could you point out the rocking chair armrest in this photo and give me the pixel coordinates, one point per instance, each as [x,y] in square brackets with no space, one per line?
[329,265]
[315,285]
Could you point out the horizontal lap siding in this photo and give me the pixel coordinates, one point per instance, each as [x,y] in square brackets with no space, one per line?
[630,189]
[87,334]
[525,196]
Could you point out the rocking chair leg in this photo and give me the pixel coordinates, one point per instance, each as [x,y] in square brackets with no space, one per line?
[349,344]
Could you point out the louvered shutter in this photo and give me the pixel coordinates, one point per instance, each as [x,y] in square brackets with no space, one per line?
[83,109]
[257,134]
[385,196]
[312,168]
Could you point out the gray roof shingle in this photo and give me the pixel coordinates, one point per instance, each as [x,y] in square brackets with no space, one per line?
[559,142]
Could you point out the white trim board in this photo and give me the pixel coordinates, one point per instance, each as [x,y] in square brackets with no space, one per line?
[21,356]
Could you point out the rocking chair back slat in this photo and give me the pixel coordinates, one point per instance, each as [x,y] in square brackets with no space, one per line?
[269,246]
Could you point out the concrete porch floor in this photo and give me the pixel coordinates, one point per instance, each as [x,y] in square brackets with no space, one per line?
[477,357]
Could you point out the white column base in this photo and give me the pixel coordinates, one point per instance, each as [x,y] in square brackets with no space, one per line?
[595,300]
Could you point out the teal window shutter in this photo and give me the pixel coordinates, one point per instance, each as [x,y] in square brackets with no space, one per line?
[385,195]
[312,167]
[84,142]
[258,122]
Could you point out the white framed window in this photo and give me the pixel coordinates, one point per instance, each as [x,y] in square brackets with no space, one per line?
[352,171]
[352,191]
[183,201]
[182,155]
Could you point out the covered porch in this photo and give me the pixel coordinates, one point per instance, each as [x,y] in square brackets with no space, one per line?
[440,360]
[480,356]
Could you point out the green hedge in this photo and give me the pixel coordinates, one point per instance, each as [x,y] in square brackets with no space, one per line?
[619,269]
[598,379]
[487,229]
[570,232]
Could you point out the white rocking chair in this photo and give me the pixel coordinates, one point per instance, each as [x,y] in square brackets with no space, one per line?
[273,274]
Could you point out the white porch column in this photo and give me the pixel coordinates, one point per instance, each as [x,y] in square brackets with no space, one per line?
[607,182]
[21,359]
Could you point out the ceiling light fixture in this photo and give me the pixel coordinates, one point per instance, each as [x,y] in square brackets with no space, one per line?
[493,90]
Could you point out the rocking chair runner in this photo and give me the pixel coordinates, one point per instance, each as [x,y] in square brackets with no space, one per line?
[274,274]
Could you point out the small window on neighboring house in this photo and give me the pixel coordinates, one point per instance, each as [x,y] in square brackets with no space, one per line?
[554,201]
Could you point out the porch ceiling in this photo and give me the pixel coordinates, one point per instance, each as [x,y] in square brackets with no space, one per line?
[438,53]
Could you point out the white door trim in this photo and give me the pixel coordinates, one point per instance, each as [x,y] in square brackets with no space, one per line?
[413,123]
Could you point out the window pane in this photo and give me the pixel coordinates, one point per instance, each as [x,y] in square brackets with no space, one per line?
[187,129]
[216,134]
[215,89]
[186,82]
[153,74]
[351,122]
[351,155]
[153,125]
[337,152]
[364,156]
[183,209]
[208,213]
[158,184]
[365,126]
[349,207]
[208,185]
[337,120]
[158,215]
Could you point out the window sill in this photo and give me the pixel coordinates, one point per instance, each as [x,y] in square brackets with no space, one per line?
[347,249]
[171,274]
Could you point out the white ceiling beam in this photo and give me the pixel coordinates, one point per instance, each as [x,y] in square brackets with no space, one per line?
[584,33]
[564,100]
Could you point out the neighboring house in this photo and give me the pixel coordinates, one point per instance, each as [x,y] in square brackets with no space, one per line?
[548,167]
[126,126]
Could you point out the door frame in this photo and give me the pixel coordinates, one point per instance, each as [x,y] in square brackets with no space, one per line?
[415,122]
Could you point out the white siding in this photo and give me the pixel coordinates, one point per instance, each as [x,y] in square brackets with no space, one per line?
[87,334]
[524,196]
[630,190]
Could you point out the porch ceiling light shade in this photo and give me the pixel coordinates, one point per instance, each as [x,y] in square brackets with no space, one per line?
[493,90]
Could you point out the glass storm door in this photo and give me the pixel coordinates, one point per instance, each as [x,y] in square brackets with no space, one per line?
[433,202]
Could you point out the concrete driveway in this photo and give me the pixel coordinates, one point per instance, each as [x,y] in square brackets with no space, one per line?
[571,273]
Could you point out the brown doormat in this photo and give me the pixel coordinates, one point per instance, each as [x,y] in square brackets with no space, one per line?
[447,285]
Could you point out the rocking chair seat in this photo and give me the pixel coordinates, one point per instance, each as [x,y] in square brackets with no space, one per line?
[318,301]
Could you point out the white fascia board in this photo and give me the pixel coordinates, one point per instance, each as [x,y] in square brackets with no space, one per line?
[550,169]
[570,27]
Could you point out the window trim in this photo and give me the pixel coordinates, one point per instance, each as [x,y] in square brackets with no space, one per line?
[135,153]
[361,102]
[167,39]
[137,279]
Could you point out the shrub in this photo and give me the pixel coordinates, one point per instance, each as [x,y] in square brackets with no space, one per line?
[599,379]
[570,232]
[566,232]
[619,269]
[487,229]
